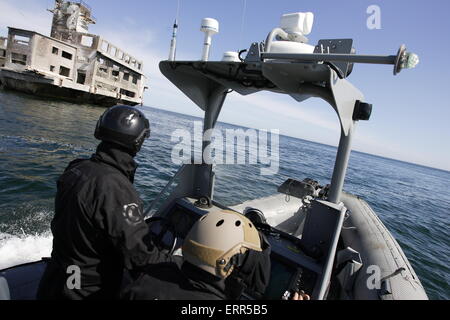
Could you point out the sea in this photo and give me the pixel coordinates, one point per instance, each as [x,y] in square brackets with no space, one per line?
[38,138]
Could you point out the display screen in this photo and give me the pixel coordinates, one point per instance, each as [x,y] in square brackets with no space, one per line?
[281,277]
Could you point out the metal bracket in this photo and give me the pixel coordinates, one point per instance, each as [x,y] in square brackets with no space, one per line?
[254,53]
[343,46]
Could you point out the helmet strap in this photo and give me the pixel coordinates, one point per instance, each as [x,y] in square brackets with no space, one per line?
[235,261]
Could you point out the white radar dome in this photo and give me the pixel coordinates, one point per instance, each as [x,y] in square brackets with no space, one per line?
[210,25]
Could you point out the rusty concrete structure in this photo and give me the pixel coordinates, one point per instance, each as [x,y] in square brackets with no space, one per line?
[71,64]
[2,51]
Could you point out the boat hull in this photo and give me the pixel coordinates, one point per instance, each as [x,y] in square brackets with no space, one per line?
[385,272]
[21,282]
[364,232]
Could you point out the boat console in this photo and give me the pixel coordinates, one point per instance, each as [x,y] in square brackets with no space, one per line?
[296,264]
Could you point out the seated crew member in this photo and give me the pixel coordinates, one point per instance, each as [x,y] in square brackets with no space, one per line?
[98,228]
[223,255]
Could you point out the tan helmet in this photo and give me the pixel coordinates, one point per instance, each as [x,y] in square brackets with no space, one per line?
[216,237]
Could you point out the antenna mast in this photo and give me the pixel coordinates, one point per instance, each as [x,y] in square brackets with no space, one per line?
[173,42]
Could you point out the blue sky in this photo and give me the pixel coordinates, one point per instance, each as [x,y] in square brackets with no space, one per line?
[411,115]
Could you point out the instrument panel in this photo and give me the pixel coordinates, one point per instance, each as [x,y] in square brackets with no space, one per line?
[291,269]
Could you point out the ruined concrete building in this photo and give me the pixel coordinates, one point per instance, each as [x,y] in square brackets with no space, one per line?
[2,51]
[71,64]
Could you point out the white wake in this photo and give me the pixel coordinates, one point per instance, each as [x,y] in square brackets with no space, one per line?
[22,249]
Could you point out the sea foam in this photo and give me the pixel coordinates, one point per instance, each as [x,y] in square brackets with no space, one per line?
[16,249]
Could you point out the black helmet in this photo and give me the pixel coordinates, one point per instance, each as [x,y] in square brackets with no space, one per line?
[123,125]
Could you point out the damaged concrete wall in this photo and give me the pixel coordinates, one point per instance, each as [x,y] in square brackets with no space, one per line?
[53,56]
[117,71]
[30,50]
[117,78]
[3,41]
[18,50]
[70,18]
[72,58]
[111,51]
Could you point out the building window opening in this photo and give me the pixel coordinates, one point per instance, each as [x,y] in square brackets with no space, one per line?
[135,79]
[103,69]
[55,50]
[63,71]
[115,70]
[87,41]
[66,55]
[52,68]
[105,46]
[127,93]
[81,78]
[18,58]
[126,77]
[23,40]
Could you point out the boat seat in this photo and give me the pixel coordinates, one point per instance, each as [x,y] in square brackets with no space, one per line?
[4,289]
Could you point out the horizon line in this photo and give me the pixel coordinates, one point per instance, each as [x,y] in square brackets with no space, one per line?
[316,142]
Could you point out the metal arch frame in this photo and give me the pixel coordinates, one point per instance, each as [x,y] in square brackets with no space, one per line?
[300,80]
[341,95]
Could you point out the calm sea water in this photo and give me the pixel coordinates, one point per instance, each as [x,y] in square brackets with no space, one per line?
[38,138]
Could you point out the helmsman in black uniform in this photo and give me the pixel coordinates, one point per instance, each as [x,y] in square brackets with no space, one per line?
[98,227]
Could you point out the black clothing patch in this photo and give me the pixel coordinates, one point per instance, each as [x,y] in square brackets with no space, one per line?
[132,213]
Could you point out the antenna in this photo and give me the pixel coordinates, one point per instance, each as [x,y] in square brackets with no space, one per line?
[173,42]
[242,21]
[210,27]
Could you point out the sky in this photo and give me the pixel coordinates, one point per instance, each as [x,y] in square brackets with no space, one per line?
[411,111]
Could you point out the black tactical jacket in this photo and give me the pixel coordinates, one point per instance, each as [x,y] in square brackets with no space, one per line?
[98,227]
[169,281]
